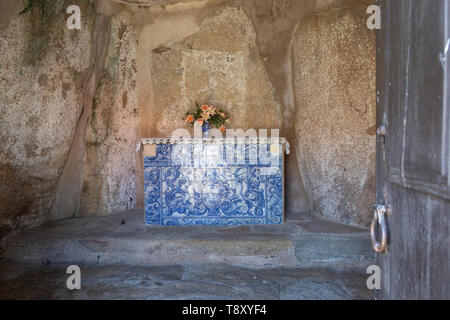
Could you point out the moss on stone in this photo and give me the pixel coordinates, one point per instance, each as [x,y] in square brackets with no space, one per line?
[47,20]
[102,117]
[111,71]
[93,120]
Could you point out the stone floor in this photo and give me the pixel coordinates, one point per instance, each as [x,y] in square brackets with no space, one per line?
[211,281]
[120,258]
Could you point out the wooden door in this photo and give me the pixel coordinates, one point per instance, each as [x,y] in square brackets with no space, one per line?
[413,155]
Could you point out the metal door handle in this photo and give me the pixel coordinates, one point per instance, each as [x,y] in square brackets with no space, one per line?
[379,217]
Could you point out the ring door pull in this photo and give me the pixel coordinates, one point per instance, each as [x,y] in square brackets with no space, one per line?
[380,219]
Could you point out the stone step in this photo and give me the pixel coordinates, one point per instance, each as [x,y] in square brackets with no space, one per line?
[123,240]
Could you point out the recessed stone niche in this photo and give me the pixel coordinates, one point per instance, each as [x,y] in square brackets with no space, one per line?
[235,54]
[219,64]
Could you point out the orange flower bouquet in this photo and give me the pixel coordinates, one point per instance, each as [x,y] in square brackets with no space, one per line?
[207,115]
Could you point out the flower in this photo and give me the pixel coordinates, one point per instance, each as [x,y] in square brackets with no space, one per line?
[213,116]
[212,111]
[190,118]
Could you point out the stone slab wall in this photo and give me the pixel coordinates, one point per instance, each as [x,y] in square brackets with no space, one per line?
[110,174]
[41,78]
[334,70]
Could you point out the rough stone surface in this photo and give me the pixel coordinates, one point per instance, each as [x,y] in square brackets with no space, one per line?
[234,54]
[275,23]
[152,3]
[40,104]
[334,70]
[190,282]
[111,135]
[122,259]
[123,239]
[220,64]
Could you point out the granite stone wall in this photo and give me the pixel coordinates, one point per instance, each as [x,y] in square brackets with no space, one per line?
[74,102]
[41,79]
[334,71]
[110,174]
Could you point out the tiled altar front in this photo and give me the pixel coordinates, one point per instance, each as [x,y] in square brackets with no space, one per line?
[214,182]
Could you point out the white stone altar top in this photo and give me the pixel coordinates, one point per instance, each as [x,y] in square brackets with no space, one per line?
[156,141]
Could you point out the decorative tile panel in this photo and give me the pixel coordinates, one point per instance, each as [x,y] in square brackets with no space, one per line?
[214,184]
